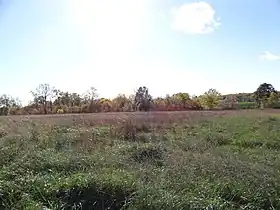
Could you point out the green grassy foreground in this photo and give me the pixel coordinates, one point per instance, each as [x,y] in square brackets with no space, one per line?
[229,162]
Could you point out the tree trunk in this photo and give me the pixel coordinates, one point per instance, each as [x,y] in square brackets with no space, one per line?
[51,106]
[45,108]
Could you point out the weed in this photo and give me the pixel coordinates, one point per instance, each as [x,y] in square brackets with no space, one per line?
[198,160]
[3,134]
[126,130]
[148,153]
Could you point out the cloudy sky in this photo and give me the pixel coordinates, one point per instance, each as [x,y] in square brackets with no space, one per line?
[118,45]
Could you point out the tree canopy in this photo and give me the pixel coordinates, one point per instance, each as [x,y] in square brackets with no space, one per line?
[210,99]
[263,93]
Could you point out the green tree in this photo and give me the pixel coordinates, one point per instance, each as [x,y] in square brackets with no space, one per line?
[210,99]
[273,100]
[182,98]
[263,93]
[7,102]
[68,99]
[196,103]
[143,100]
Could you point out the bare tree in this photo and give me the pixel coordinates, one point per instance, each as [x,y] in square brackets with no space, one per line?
[91,94]
[43,94]
[89,98]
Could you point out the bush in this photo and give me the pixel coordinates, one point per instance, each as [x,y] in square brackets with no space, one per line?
[15,111]
[127,130]
[75,109]
[247,105]
[59,111]
[4,110]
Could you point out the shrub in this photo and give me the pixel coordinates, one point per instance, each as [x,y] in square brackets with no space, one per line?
[247,105]
[4,110]
[126,130]
[14,111]
[3,133]
[75,109]
[60,111]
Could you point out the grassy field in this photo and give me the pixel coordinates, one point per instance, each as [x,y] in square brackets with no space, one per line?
[177,160]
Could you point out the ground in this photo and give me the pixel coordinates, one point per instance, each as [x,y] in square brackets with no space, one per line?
[159,160]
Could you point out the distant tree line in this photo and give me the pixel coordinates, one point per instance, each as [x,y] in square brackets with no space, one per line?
[50,100]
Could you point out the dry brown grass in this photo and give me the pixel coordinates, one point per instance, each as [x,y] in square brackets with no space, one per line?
[114,117]
[19,125]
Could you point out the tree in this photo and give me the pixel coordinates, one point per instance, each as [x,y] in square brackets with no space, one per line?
[210,99]
[76,99]
[195,103]
[120,102]
[229,102]
[90,98]
[263,93]
[159,104]
[143,100]
[273,100]
[131,105]
[43,94]
[7,102]
[68,99]
[106,104]
[181,98]
[90,95]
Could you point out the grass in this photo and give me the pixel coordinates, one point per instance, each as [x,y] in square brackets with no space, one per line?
[188,160]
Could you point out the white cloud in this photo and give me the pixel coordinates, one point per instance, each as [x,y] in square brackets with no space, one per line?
[269,56]
[194,18]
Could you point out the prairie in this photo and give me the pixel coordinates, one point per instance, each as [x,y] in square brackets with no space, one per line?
[154,160]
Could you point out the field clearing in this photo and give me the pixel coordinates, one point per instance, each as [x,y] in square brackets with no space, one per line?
[113,117]
[156,160]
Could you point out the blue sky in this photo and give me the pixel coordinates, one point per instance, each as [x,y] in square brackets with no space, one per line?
[116,46]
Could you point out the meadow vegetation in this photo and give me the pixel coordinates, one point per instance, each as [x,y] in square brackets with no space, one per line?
[148,160]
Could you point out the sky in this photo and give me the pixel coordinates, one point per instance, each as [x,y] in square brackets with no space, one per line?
[118,45]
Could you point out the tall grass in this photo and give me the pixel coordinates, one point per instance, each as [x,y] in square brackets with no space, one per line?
[215,162]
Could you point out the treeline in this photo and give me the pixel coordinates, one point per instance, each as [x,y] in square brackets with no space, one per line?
[49,100]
